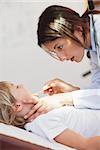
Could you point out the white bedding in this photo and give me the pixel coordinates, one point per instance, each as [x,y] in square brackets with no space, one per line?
[30,137]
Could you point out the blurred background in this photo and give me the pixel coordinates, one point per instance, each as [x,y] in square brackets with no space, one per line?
[21,59]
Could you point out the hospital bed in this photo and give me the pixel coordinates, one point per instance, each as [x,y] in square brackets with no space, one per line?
[13,138]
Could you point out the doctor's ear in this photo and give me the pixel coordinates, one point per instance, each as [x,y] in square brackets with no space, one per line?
[79,31]
[17,107]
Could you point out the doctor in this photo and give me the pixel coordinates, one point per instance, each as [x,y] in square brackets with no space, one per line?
[65,33]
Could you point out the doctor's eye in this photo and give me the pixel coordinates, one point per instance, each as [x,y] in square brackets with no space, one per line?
[60,47]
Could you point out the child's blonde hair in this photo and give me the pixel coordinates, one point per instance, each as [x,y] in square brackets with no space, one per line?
[7,100]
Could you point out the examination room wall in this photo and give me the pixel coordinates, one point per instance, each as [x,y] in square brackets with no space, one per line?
[21,59]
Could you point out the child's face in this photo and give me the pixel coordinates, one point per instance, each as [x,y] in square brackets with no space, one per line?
[20,93]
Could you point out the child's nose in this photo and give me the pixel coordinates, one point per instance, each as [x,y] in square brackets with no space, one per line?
[21,85]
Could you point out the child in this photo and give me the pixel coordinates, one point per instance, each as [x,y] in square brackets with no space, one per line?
[66,125]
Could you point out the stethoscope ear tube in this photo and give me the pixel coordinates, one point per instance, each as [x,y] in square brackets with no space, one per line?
[90,4]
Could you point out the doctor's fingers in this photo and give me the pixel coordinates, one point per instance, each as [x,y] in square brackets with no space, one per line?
[49,91]
[49,85]
[35,116]
[38,114]
[52,83]
[33,100]
[46,110]
[32,112]
[52,89]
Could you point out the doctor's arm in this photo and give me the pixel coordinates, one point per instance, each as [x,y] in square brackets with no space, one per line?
[48,103]
[88,98]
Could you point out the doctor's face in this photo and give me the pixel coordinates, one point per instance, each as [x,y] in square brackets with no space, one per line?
[65,49]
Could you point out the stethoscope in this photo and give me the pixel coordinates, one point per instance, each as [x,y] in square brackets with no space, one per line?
[95,46]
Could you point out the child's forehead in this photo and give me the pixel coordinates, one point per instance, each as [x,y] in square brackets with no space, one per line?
[5,84]
[9,84]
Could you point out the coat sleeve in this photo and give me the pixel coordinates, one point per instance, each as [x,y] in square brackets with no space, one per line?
[88,98]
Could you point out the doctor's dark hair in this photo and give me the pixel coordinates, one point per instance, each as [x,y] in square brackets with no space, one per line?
[7,101]
[58,21]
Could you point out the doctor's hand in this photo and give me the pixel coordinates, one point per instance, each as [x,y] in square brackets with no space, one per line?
[56,86]
[31,100]
[43,106]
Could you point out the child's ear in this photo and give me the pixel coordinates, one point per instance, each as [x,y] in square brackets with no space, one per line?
[17,107]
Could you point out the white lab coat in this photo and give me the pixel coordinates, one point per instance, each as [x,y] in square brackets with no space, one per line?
[90,98]
[95,55]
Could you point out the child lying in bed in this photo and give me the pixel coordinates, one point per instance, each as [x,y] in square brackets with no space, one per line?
[66,125]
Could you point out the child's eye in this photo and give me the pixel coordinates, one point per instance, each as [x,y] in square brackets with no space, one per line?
[17,86]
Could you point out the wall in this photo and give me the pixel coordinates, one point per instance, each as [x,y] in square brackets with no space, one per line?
[21,60]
